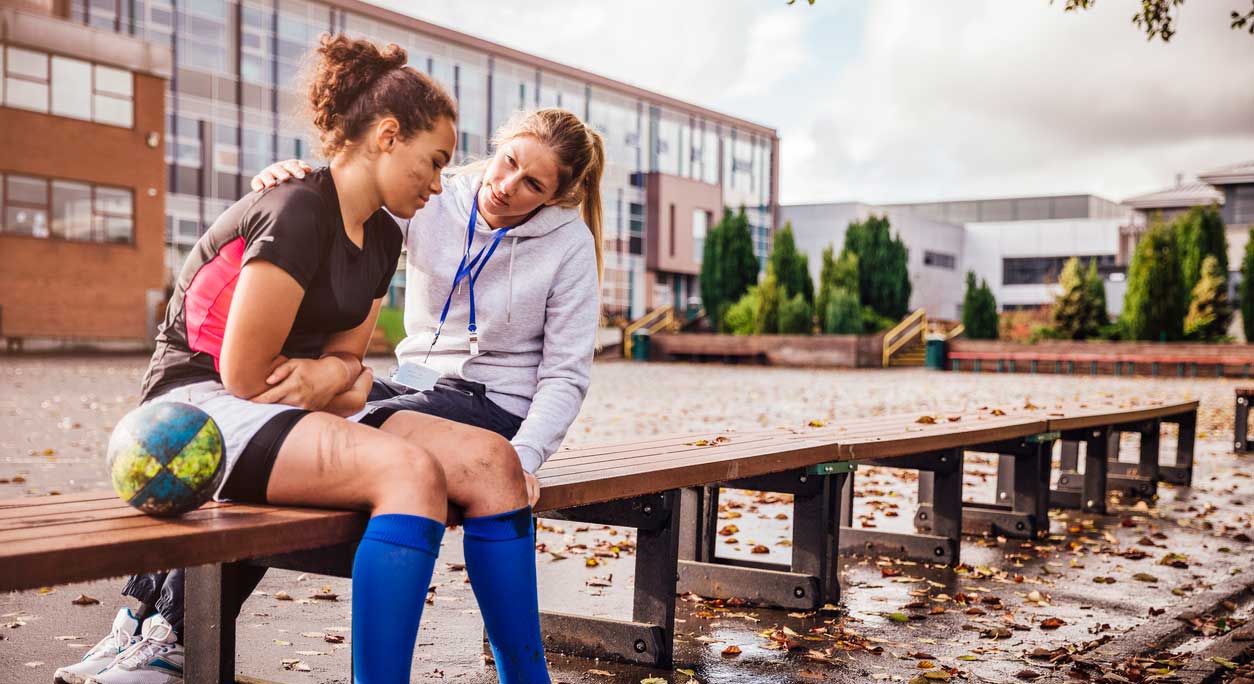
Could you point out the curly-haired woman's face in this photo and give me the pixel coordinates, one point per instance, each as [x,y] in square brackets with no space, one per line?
[522,175]
[409,169]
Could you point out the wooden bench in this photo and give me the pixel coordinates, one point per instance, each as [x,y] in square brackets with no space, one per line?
[1241,426]
[665,487]
[1186,365]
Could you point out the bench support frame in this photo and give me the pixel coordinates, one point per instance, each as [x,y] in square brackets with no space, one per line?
[1241,430]
[810,580]
[648,638]
[1132,480]
[1021,510]
[938,538]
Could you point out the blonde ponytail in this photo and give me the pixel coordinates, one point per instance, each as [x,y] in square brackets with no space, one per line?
[590,188]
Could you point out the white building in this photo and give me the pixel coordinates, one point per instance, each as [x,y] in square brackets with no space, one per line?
[1018,245]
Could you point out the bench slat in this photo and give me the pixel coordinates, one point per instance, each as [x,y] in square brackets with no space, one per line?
[214,534]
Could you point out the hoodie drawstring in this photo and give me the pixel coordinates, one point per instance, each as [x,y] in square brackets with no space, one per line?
[509,306]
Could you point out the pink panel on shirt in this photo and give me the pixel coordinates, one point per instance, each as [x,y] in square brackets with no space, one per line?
[208,299]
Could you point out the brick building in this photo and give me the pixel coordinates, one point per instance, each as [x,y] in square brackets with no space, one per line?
[82,180]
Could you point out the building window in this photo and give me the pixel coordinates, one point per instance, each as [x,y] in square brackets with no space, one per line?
[939,260]
[71,88]
[71,210]
[1042,270]
[114,96]
[26,79]
[635,228]
[700,225]
[78,211]
[26,206]
[71,96]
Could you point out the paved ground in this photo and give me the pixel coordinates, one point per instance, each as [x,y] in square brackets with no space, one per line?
[983,620]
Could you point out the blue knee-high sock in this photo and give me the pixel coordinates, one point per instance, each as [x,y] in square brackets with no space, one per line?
[391,575]
[501,563]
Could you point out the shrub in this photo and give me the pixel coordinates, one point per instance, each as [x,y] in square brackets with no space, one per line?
[979,310]
[796,317]
[844,314]
[741,318]
[1153,308]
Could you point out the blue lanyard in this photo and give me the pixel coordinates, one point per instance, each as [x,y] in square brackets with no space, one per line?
[466,270]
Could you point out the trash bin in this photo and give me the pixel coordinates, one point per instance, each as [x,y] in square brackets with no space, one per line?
[935,359]
[640,345]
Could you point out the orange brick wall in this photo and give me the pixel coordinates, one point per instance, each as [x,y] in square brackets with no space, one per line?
[63,289]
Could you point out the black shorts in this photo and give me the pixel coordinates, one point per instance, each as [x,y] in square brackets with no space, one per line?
[453,399]
[250,477]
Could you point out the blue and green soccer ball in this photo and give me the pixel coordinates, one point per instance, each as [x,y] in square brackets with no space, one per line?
[166,458]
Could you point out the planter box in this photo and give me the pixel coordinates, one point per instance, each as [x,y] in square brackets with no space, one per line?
[824,351]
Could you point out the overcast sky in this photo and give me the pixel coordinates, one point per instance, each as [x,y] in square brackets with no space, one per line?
[902,100]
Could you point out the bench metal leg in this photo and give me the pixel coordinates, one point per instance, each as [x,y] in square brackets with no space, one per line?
[1067,493]
[1086,492]
[1135,480]
[809,581]
[209,624]
[939,539]
[1093,492]
[648,638]
[1241,436]
[1021,510]
[1181,473]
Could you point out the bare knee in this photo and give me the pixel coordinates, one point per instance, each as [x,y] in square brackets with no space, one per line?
[406,476]
[497,456]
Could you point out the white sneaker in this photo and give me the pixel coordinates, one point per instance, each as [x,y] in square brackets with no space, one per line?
[125,625]
[157,658]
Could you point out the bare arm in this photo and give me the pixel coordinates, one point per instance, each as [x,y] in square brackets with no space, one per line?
[349,347]
[263,309]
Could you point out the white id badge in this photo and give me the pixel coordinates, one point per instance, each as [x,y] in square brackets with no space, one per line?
[416,376]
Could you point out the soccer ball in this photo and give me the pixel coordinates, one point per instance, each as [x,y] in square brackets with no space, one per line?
[165,458]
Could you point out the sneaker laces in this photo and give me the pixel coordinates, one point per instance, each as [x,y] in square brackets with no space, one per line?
[144,650]
[117,641]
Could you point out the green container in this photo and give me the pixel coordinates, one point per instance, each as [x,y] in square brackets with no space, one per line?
[935,359]
[640,345]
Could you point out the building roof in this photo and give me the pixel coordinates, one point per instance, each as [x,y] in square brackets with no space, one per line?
[1242,172]
[56,35]
[465,40]
[1183,195]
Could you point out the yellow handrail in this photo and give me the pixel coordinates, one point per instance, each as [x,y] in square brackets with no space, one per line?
[906,330]
[655,320]
[958,330]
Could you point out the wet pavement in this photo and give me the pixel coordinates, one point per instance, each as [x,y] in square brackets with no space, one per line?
[1004,615]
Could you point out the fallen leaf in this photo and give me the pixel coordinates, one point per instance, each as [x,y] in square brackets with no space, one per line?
[1052,623]
[85,600]
[732,650]
[282,596]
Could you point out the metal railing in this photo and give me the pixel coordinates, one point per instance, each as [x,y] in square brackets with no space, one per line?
[658,319]
[911,327]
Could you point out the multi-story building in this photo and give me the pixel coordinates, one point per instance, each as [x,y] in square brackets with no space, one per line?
[1231,188]
[1017,244]
[234,105]
[82,180]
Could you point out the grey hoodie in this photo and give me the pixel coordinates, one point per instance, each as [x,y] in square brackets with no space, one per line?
[536,307]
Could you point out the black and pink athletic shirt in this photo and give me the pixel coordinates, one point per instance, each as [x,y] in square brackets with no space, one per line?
[297,227]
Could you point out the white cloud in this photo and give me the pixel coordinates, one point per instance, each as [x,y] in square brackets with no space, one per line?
[992,98]
[935,99]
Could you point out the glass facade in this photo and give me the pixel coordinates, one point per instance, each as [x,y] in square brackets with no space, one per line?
[235,103]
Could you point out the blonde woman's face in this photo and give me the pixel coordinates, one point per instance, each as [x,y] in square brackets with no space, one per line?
[522,175]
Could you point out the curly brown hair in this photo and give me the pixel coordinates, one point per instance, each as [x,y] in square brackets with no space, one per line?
[354,83]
